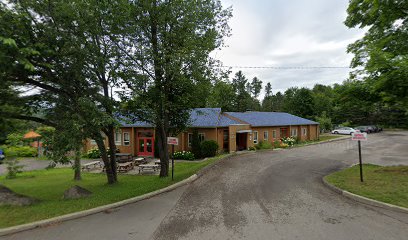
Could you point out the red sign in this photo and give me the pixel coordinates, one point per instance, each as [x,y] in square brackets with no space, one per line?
[172,141]
[359,136]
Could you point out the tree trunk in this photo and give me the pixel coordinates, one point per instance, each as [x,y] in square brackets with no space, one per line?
[106,161]
[163,151]
[77,164]
[112,151]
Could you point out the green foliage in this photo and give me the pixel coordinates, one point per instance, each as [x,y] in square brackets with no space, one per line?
[325,122]
[383,51]
[13,168]
[290,141]
[264,145]
[209,148]
[19,151]
[276,144]
[183,155]
[252,148]
[93,153]
[15,139]
[196,144]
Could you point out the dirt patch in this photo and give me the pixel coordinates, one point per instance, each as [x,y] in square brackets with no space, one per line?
[8,197]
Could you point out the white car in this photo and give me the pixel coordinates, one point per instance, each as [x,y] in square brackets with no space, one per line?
[345,130]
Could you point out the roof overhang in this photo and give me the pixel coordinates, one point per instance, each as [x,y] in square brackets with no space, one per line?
[244,131]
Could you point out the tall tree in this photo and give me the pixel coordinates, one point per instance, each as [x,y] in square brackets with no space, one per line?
[62,52]
[268,90]
[383,51]
[256,87]
[168,44]
[243,100]
[222,95]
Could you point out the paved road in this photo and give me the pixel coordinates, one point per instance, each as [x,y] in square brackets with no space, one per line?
[264,195]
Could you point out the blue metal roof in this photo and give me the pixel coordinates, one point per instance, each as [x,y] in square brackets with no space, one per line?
[258,119]
[213,117]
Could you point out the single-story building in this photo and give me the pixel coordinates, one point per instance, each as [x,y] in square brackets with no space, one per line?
[233,131]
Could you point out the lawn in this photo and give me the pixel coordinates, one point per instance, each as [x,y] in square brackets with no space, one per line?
[385,184]
[48,186]
[327,137]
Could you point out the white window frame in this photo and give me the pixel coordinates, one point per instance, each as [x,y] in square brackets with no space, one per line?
[304,130]
[126,142]
[294,132]
[255,137]
[267,135]
[188,139]
[274,134]
[118,142]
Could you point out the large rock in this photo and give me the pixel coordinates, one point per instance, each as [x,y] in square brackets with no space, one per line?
[8,197]
[76,192]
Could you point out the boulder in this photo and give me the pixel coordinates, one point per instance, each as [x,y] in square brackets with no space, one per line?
[76,192]
[8,197]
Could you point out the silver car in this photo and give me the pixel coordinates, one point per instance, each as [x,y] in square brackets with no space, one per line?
[344,130]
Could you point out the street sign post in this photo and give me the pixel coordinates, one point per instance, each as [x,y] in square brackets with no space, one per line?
[359,137]
[172,141]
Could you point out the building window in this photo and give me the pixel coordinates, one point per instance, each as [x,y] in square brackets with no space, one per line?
[255,137]
[201,137]
[126,138]
[304,131]
[190,139]
[266,135]
[274,134]
[294,132]
[118,138]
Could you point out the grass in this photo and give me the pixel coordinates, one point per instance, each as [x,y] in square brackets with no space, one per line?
[327,137]
[48,187]
[385,184]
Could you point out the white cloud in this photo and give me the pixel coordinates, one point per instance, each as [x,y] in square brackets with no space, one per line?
[289,33]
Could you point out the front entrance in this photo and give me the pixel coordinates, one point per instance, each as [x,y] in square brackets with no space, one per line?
[145,143]
[284,132]
[241,141]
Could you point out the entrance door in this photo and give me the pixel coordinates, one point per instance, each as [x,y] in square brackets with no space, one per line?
[241,141]
[145,143]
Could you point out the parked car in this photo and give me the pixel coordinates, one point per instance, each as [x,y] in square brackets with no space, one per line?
[344,130]
[366,129]
[2,156]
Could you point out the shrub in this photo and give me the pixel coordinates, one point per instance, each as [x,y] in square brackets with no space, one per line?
[277,144]
[20,151]
[209,148]
[93,153]
[183,155]
[263,145]
[252,148]
[13,168]
[289,141]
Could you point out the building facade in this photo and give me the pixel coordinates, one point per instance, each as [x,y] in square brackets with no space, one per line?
[233,131]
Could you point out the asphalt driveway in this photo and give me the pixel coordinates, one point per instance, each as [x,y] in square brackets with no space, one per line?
[263,195]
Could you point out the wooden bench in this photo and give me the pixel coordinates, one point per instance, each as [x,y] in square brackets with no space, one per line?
[91,165]
[123,157]
[144,167]
[125,167]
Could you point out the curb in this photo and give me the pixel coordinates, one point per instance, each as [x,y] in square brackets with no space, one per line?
[75,215]
[365,200]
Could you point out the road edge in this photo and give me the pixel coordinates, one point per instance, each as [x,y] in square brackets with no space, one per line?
[75,215]
[364,200]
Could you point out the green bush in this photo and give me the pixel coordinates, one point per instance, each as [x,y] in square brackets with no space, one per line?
[93,153]
[290,141]
[252,148]
[20,151]
[183,155]
[13,168]
[276,144]
[263,145]
[209,148]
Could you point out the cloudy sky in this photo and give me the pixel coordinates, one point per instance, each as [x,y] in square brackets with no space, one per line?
[294,33]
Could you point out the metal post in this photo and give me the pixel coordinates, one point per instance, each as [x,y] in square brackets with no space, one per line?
[361,164]
[172,163]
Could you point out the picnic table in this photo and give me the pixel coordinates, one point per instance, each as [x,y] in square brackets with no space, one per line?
[144,167]
[91,165]
[140,160]
[125,167]
[123,157]
[157,162]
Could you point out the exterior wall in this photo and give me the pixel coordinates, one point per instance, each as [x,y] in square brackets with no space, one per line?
[216,134]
